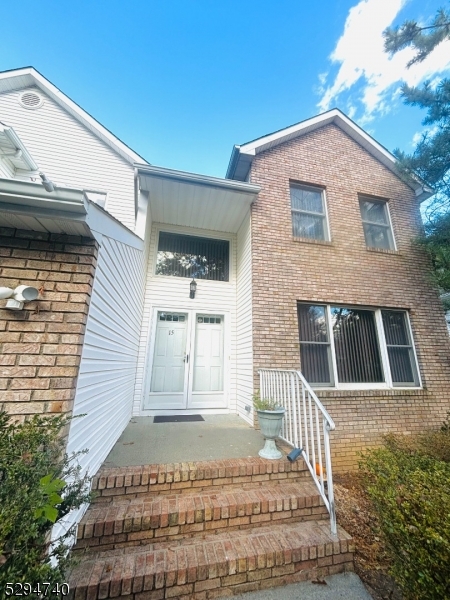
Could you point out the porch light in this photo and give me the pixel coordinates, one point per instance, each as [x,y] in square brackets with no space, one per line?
[193,288]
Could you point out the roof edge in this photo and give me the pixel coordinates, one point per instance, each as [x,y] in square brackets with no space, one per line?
[198,179]
[340,119]
[66,102]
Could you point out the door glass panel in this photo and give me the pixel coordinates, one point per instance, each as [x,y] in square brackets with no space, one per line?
[208,354]
[169,355]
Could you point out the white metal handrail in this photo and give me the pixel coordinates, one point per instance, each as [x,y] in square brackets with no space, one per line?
[302,427]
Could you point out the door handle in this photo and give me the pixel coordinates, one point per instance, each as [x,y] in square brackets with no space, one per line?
[186,358]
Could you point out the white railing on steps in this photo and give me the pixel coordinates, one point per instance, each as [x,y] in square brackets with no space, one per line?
[306,425]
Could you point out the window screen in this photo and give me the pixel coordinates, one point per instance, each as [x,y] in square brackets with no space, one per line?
[308,212]
[315,350]
[376,224]
[189,256]
[400,351]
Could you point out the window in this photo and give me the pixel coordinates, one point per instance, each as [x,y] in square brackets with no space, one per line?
[342,346]
[309,219]
[189,256]
[376,223]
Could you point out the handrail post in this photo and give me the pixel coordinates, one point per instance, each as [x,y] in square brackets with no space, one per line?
[330,490]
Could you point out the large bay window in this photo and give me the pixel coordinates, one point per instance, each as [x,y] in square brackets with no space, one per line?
[356,347]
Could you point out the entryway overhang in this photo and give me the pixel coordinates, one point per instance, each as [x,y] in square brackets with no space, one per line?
[188,199]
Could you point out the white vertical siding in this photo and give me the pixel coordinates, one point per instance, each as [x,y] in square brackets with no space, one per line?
[244,340]
[70,154]
[172,293]
[107,373]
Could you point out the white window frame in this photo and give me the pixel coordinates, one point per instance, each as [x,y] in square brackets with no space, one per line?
[384,357]
[324,215]
[389,220]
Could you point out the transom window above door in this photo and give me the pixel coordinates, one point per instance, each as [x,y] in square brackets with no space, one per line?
[309,215]
[190,256]
[376,223]
[356,347]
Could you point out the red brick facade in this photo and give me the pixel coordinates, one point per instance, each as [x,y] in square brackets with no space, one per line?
[345,271]
[40,346]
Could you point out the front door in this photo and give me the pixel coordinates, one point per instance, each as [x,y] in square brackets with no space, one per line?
[188,362]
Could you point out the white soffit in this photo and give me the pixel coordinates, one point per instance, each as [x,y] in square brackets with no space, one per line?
[19,79]
[242,156]
[190,200]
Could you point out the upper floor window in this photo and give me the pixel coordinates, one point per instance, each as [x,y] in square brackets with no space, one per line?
[309,216]
[191,256]
[376,223]
[356,347]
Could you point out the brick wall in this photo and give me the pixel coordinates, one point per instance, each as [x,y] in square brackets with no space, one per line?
[40,346]
[344,271]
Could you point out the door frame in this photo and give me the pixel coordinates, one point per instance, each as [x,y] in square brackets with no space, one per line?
[192,314]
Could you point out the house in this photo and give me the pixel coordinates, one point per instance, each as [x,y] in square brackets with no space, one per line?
[165,291]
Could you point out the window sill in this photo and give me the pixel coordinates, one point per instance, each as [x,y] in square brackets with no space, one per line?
[383,251]
[312,241]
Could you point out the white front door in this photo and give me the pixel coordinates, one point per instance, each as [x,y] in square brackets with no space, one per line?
[188,362]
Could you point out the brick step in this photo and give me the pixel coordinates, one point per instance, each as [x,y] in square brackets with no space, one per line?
[216,565]
[190,477]
[135,521]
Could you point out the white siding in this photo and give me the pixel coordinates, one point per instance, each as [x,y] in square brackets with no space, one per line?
[172,293]
[70,154]
[244,340]
[107,373]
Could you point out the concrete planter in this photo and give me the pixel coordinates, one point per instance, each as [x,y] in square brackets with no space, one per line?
[270,422]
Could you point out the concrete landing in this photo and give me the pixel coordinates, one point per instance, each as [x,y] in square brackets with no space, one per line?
[216,438]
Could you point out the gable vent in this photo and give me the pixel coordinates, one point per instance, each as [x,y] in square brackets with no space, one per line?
[31,100]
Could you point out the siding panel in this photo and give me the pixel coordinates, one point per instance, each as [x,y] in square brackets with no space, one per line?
[70,154]
[106,379]
[244,340]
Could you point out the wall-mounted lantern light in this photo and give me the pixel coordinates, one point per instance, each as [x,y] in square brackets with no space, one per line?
[17,297]
[192,288]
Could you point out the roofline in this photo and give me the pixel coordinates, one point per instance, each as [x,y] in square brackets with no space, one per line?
[195,178]
[61,98]
[336,116]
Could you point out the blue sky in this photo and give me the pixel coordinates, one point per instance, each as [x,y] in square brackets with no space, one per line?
[181,81]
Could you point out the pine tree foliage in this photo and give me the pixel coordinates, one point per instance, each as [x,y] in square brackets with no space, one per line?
[422,39]
[431,157]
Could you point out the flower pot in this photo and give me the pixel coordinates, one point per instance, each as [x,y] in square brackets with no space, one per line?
[270,422]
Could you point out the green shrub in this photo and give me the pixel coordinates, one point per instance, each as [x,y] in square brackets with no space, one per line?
[411,494]
[39,485]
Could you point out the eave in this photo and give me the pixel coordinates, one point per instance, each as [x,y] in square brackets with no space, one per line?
[192,200]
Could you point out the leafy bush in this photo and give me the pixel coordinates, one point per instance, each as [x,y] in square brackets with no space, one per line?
[410,490]
[39,485]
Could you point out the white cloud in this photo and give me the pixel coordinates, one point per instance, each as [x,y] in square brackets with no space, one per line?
[363,61]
